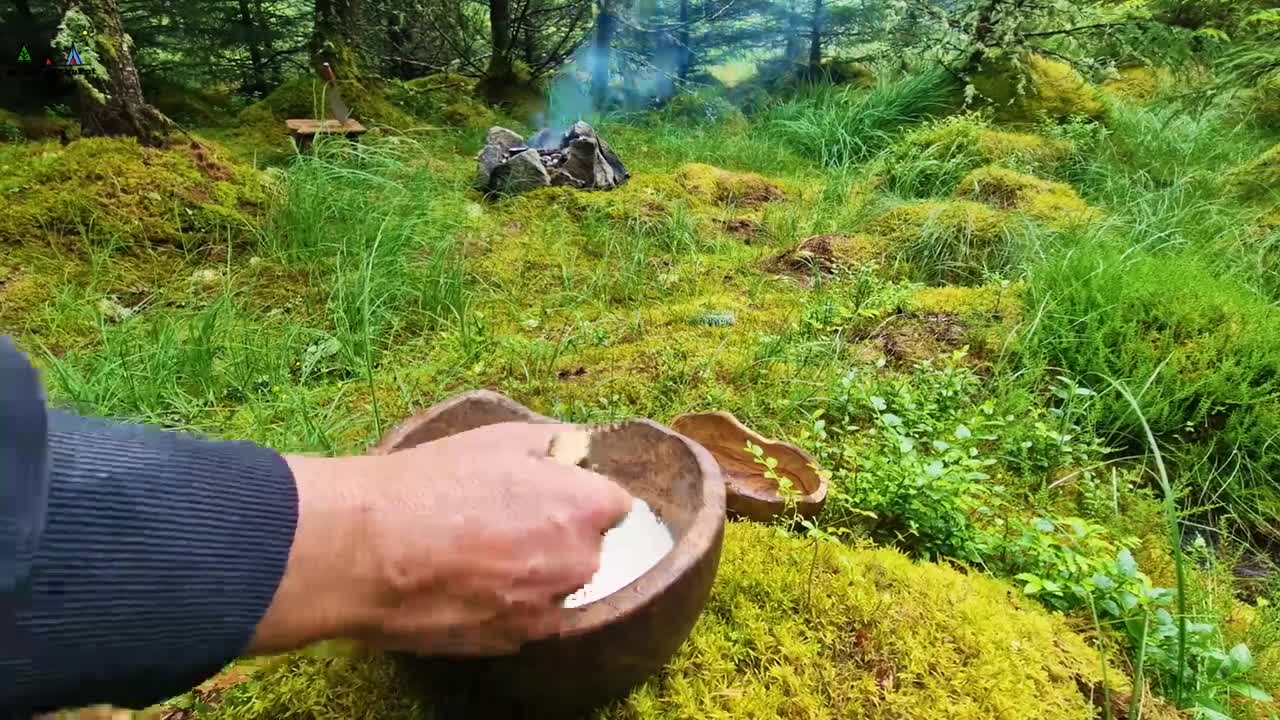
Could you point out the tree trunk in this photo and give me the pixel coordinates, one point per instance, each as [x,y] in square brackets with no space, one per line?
[794,50]
[983,28]
[530,46]
[500,35]
[815,37]
[334,38]
[686,55]
[253,38]
[398,39]
[111,102]
[606,22]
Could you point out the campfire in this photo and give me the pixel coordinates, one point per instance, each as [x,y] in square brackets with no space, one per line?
[578,158]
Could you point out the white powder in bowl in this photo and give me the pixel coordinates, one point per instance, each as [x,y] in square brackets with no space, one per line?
[629,550]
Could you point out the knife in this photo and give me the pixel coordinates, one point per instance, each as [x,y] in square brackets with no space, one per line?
[336,106]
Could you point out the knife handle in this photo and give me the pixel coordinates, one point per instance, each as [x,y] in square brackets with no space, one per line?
[328,74]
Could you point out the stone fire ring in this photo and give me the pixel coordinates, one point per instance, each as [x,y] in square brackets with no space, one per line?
[749,494]
[606,647]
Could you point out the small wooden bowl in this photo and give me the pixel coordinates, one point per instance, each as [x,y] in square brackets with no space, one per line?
[749,494]
[605,647]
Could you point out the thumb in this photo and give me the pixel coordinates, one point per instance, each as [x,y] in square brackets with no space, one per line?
[608,503]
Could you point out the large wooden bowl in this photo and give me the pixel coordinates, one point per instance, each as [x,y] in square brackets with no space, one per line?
[606,647]
[749,493]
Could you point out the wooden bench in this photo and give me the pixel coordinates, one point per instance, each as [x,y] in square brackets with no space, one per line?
[304,131]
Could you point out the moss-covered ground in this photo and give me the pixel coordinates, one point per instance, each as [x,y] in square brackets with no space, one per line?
[933,312]
[788,633]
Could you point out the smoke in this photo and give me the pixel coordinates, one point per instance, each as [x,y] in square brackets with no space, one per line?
[643,74]
[569,92]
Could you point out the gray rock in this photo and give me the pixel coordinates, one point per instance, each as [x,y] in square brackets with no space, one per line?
[582,160]
[504,138]
[580,130]
[523,172]
[584,130]
[586,166]
[491,158]
[620,172]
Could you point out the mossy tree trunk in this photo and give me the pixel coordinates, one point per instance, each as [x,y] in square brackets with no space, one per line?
[529,41]
[334,39]
[110,93]
[984,29]
[398,40]
[794,51]
[815,37]
[499,69]
[601,42]
[253,41]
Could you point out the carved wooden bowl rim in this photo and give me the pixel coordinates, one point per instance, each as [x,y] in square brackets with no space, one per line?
[817,496]
[701,537]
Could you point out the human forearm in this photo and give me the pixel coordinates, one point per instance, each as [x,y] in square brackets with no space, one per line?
[330,584]
[161,553]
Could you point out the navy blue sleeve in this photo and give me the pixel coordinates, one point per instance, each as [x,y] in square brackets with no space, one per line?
[142,560]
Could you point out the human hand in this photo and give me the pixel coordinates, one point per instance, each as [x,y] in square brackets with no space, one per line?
[466,545]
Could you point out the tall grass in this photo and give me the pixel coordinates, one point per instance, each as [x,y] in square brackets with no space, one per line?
[839,126]
[371,224]
[1200,348]
[1159,173]
[374,214]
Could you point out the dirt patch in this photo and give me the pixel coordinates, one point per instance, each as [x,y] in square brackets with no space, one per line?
[1054,203]
[910,338]
[827,254]
[744,228]
[207,164]
[568,374]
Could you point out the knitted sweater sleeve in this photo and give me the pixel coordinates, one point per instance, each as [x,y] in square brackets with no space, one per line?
[134,562]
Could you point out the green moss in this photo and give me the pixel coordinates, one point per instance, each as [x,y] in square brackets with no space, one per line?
[829,253]
[703,108]
[787,634]
[468,114]
[204,106]
[990,314]
[111,188]
[1038,87]
[725,187]
[931,160]
[1053,203]
[1259,178]
[517,93]
[15,127]
[785,78]
[445,98]
[1135,83]
[987,300]
[1265,101]
[841,71]
[947,241]
[1270,221]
